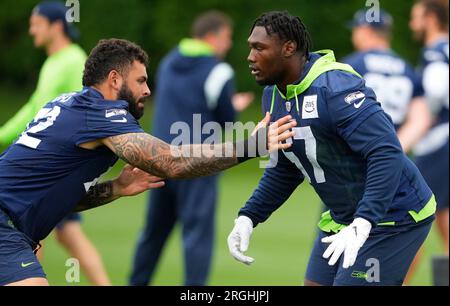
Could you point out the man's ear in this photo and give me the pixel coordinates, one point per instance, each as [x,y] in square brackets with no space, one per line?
[58,26]
[115,79]
[289,48]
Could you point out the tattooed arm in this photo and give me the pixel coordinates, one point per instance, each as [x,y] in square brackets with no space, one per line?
[188,161]
[131,181]
[159,158]
[97,195]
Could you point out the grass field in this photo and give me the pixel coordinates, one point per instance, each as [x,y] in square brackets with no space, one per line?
[280,246]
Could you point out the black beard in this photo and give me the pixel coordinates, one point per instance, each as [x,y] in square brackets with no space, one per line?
[420,36]
[126,94]
[267,81]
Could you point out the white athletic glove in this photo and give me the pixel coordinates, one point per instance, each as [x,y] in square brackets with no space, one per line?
[348,241]
[239,239]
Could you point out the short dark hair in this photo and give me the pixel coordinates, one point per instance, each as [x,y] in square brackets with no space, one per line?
[111,54]
[287,27]
[438,8]
[210,21]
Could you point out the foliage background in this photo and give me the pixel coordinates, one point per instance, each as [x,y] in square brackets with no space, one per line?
[281,246]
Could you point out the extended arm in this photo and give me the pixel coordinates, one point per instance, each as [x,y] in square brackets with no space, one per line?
[131,181]
[273,190]
[188,161]
[97,195]
[417,124]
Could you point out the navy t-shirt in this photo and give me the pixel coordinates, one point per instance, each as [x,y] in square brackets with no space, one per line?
[44,173]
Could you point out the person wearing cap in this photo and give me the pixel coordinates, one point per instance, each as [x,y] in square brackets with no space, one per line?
[205,87]
[393,79]
[429,24]
[61,72]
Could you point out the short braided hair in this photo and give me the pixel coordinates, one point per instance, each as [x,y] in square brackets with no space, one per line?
[287,27]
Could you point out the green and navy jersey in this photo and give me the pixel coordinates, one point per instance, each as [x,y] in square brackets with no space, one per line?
[61,72]
[44,173]
[393,80]
[434,73]
[346,146]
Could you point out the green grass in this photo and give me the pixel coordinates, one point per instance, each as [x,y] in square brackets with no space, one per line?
[281,245]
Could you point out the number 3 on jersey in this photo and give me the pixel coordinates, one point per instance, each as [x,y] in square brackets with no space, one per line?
[44,119]
[305,133]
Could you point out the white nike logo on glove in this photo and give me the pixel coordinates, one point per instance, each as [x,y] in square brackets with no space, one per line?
[358,105]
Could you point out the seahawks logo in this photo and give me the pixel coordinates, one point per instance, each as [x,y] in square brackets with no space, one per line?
[115,112]
[353,97]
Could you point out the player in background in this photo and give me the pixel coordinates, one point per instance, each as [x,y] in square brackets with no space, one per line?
[429,24]
[192,79]
[394,81]
[54,166]
[346,147]
[61,73]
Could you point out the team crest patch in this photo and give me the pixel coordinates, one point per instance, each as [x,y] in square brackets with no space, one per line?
[288,106]
[353,97]
[115,112]
[309,108]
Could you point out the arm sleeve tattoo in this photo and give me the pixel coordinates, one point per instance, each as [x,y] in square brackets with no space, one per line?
[153,155]
[97,195]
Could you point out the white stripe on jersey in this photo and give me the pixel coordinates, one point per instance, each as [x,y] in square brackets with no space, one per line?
[215,82]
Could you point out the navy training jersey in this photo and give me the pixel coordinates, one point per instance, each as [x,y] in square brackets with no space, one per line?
[188,86]
[44,173]
[393,80]
[346,147]
[434,72]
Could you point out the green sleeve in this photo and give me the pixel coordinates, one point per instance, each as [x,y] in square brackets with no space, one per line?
[44,93]
[11,129]
[59,74]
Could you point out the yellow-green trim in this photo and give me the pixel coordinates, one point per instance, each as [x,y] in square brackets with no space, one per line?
[428,210]
[273,99]
[195,48]
[389,223]
[325,63]
[327,224]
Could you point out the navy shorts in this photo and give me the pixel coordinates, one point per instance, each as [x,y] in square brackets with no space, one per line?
[383,260]
[17,259]
[434,168]
[75,217]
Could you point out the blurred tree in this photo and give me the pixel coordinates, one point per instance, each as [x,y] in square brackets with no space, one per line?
[157,25]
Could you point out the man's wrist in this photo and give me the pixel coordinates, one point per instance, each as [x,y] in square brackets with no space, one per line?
[254,146]
[116,188]
[244,220]
[252,220]
[372,222]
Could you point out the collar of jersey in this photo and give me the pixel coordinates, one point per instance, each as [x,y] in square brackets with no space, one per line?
[98,97]
[195,48]
[324,63]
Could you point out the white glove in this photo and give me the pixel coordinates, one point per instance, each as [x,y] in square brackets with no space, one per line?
[348,241]
[239,239]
